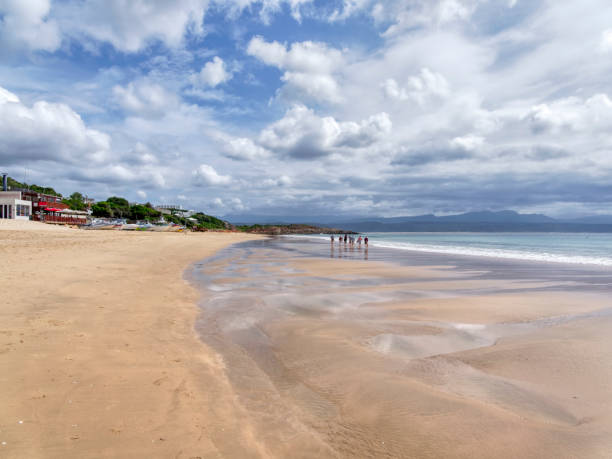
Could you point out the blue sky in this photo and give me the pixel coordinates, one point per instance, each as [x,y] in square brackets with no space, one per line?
[351,107]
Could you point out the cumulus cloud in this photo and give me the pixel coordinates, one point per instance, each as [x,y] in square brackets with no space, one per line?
[229,204]
[308,67]
[144,98]
[25,24]
[213,73]
[573,113]
[468,142]
[243,148]
[417,14]
[141,154]
[132,26]
[268,8]
[425,86]
[47,131]
[304,135]
[207,175]
[516,104]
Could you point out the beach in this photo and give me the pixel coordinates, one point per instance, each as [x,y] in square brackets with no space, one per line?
[98,351]
[127,344]
[346,352]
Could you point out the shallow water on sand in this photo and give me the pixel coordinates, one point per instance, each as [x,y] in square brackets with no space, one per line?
[334,351]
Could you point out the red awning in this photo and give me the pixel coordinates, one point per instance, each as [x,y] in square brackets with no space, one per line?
[53,209]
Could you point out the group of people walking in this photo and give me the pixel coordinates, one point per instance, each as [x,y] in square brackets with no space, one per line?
[346,239]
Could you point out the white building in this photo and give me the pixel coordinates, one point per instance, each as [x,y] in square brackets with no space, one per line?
[12,206]
[174,209]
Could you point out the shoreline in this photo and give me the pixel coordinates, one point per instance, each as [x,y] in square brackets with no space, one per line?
[477,252]
[98,348]
[126,344]
[418,359]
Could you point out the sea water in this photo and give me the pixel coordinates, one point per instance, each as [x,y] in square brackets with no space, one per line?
[575,248]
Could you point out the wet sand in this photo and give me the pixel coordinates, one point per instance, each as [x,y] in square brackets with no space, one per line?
[377,355]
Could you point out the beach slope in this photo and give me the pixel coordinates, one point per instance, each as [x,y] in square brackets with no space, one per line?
[98,351]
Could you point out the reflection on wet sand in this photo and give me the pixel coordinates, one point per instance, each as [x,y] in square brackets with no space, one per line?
[338,250]
[341,358]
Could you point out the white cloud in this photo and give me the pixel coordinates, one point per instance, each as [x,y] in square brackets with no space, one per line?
[131,26]
[231,204]
[145,99]
[140,155]
[309,67]
[213,73]
[25,23]
[573,113]
[268,7]
[142,194]
[420,89]
[236,204]
[302,134]
[281,181]
[468,142]
[605,44]
[243,149]
[47,131]
[7,96]
[207,175]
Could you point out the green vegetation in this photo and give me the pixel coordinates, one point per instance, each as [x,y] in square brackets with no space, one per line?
[116,207]
[76,201]
[202,222]
[209,222]
[144,212]
[12,183]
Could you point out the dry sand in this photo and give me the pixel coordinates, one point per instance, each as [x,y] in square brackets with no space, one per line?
[98,353]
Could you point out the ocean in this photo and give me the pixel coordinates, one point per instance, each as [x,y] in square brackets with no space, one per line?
[573,248]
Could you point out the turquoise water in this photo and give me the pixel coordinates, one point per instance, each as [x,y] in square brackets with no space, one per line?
[580,248]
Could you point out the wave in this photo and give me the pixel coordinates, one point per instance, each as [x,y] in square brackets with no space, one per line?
[480,251]
[497,253]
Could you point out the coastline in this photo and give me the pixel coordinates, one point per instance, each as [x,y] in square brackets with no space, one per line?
[432,357]
[126,344]
[98,348]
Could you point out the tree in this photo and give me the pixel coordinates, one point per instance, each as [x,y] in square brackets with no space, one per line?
[102,209]
[76,201]
[13,184]
[143,212]
[120,207]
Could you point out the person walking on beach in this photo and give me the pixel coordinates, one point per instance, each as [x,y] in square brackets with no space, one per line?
[366,240]
[332,238]
[359,241]
[345,238]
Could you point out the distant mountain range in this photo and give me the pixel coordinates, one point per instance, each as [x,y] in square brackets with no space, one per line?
[501,221]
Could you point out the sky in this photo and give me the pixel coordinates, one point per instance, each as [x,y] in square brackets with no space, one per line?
[314,108]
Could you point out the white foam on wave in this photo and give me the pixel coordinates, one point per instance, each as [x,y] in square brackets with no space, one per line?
[496,253]
[478,251]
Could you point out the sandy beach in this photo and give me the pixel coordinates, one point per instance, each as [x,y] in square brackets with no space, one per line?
[366,358]
[105,353]
[98,351]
